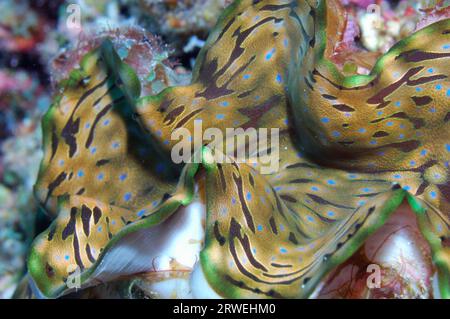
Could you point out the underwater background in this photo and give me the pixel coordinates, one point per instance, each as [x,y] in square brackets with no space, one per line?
[42,41]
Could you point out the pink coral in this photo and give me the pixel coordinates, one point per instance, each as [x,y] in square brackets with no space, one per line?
[361,3]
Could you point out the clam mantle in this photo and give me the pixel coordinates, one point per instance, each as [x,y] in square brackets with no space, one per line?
[352,149]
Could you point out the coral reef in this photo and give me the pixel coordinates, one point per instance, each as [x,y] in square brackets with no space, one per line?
[143,51]
[186,17]
[17,207]
[22,101]
[21,28]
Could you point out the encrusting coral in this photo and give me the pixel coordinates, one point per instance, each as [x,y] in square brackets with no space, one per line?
[352,149]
